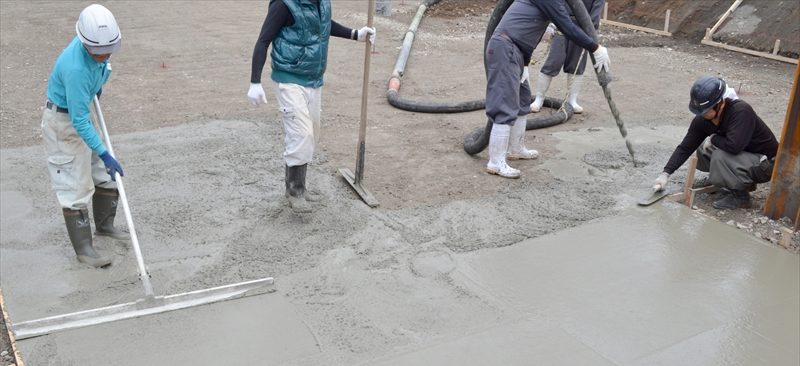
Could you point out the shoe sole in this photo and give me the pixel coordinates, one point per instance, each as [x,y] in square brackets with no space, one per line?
[95,262]
[493,172]
[516,157]
[123,237]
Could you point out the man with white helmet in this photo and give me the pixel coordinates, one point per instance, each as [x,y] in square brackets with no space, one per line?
[80,166]
[732,144]
[299,31]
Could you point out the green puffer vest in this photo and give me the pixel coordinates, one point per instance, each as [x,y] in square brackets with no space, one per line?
[300,51]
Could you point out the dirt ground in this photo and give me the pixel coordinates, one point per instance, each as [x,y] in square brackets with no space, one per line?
[206,176]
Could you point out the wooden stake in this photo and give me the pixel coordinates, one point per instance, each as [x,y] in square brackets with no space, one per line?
[777,47]
[786,237]
[688,193]
[666,22]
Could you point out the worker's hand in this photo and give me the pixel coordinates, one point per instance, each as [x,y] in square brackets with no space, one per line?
[707,145]
[661,182]
[112,166]
[363,32]
[601,60]
[525,75]
[256,94]
[549,32]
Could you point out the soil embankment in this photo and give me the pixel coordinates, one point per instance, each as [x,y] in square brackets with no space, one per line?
[755,24]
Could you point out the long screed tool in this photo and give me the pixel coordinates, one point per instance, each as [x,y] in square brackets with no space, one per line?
[150,304]
[356,180]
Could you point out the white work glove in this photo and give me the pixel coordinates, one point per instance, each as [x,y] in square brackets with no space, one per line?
[707,145]
[525,75]
[256,94]
[661,181]
[601,60]
[362,34]
[549,32]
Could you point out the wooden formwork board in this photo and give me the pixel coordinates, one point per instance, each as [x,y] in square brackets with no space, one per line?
[665,32]
[11,338]
[635,27]
[749,51]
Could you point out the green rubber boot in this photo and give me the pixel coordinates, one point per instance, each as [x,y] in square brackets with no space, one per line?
[80,234]
[104,205]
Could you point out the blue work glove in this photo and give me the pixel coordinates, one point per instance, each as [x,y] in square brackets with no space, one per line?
[112,165]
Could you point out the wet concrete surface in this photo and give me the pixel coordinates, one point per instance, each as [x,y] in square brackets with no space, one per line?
[655,286]
[419,285]
[258,330]
[650,286]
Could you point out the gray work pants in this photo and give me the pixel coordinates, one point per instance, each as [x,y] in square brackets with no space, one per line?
[74,168]
[564,53]
[727,170]
[506,97]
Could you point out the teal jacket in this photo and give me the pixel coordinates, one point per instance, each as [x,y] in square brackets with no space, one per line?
[300,51]
[75,80]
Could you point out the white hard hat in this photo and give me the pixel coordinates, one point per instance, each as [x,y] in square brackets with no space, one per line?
[98,30]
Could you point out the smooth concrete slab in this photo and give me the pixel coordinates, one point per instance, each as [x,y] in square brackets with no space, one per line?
[654,286]
[528,342]
[257,330]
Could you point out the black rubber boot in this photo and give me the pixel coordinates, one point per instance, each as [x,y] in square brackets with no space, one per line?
[736,199]
[104,205]
[296,188]
[80,234]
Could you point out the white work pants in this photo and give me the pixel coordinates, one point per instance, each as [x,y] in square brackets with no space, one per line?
[74,168]
[300,109]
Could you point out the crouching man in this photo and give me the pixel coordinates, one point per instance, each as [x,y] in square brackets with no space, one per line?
[732,144]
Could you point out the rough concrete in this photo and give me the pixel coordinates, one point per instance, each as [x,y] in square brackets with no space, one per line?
[651,286]
[205,178]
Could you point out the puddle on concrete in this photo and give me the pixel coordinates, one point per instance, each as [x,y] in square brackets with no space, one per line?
[583,151]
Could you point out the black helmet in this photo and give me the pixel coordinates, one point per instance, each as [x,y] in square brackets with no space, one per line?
[706,93]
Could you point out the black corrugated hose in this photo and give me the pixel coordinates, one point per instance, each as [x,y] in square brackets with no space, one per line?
[477,140]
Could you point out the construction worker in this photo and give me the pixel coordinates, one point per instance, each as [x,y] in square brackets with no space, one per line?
[299,31]
[565,54]
[80,166]
[508,94]
[732,143]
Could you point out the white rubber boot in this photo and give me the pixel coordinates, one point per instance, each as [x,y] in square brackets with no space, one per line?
[516,143]
[575,87]
[498,145]
[542,84]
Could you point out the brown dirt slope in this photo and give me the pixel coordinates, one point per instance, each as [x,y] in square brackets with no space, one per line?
[755,24]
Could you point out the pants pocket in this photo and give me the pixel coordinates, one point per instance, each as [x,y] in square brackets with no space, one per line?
[61,168]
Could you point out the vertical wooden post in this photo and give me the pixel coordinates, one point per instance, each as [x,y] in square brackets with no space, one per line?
[688,192]
[777,47]
[605,11]
[783,199]
[666,22]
